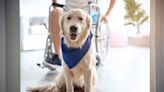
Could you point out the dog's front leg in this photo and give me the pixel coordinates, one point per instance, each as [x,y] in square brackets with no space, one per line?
[68,79]
[88,80]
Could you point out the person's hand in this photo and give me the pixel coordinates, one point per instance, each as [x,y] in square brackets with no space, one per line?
[104,19]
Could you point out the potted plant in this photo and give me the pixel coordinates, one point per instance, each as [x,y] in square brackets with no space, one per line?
[135,15]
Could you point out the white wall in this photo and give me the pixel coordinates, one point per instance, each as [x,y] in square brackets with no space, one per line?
[32,34]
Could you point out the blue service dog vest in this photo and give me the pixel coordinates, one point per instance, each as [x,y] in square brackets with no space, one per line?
[72,56]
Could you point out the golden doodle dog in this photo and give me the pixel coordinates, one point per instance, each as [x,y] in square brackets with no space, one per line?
[79,66]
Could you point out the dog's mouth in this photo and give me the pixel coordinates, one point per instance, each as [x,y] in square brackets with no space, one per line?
[73,36]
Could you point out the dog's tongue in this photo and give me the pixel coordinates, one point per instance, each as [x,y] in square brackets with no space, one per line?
[73,36]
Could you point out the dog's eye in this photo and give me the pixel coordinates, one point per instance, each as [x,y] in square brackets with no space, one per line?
[80,18]
[69,18]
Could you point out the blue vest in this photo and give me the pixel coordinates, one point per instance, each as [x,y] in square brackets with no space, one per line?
[72,56]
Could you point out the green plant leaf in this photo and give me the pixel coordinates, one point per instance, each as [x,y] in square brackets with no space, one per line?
[139,15]
[126,17]
[129,23]
[135,15]
[135,18]
[144,20]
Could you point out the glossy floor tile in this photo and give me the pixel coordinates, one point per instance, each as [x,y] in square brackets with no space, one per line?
[125,70]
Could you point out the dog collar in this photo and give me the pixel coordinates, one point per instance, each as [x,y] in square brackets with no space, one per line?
[72,56]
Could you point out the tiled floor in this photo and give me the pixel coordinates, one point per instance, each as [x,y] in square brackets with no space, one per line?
[125,70]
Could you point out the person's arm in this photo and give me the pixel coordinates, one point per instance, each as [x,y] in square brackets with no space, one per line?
[111,5]
[54,1]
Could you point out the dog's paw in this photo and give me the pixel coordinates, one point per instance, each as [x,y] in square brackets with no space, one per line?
[32,89]
[37,89]
[52,88]
[48,88]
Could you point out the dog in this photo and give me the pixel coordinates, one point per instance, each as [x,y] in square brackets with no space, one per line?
[79,58]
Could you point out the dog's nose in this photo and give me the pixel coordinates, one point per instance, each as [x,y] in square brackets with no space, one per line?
[73,29]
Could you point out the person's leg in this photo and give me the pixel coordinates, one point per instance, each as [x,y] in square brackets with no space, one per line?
[54,30]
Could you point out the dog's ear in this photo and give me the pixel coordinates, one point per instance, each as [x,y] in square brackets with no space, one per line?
[61,23]
[88,22]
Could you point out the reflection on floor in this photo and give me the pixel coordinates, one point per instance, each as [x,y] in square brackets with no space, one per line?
[125,70]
